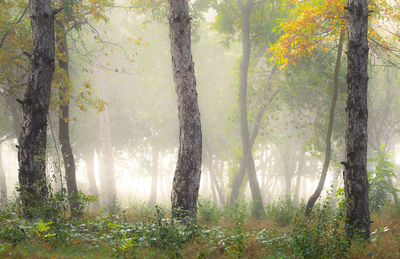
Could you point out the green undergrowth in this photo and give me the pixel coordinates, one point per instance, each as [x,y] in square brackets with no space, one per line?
[227,232]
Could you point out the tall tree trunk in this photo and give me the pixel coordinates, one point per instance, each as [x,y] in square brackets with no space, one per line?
[335,185]
[35,107]
[394,193]
[355,166]
[238,179]
[186,181]
[63,120]
[89,163]
[212,181]
[217,186]
[257,208]
[3,181]
[107,174]
[154,178]
[288,183]
[317,193]
[299,178]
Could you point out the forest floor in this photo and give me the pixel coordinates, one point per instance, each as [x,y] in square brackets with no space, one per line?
[229,232]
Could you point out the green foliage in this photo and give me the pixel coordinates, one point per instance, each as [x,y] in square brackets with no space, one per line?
[282,212]
[322,237]
[380,190]
[208,211]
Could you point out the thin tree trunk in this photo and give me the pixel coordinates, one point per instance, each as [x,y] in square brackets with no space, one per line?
[238,179]
[257,208]
[35,107]
[212,181]
[217,186]
[154,178]
[186,181]
[299,178]
[317,193]
[394,193]
[63,120]
[355,166]
[335,185]
[89,163]
[3,181]
[107,174]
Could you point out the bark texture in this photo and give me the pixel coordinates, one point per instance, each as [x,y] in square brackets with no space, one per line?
[63,121]
[35,107]
[328,139]
[186,181]
[248,160]
[355,166]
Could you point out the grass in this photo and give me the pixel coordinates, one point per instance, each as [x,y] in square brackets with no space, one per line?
[228,232]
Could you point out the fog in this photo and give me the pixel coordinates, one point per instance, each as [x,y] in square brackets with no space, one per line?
[123,111]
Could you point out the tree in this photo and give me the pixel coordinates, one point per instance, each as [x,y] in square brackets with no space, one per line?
[188,170]
[35,107]
[63,120]
[328,139]
[355,167]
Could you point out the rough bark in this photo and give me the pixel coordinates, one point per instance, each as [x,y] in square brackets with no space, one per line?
[328,139]
[3,181]
[257,206]
[63,120]
[35,107]
[154,179]
[355,166]
[186,181]
[89,163]
[107,174]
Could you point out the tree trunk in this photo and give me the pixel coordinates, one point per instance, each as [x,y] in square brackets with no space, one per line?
[257,208]
[154,178]
[107,174]
[335,185]
[63,120]
[212,181]
[394,193]
[186,181]
[89,163]
[299,178]
[3,181]
[238,179]
[355,166]
[317,193]
[217,186]
[35,107]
